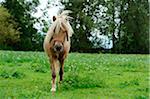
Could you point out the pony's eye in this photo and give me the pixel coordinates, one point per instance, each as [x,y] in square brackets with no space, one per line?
[62,44]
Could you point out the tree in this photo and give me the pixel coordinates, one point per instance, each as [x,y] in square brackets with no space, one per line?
[132,29]
[123,21]
[83,23]
[136,27]
[22,11]
[9,33]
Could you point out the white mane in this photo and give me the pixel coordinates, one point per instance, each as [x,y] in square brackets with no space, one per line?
[63,18]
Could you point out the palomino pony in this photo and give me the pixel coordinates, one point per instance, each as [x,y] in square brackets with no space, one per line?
[57,44]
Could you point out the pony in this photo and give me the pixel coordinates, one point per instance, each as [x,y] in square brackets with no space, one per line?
[57,44]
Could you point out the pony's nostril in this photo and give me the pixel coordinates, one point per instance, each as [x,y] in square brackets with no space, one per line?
[58,48]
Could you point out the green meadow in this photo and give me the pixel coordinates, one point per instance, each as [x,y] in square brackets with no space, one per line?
[26,75]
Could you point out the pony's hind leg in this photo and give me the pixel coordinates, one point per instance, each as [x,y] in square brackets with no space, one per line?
[53,66]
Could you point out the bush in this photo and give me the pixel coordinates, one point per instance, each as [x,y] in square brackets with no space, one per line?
[38,68]
[8,30]
[11,74]
[73,80]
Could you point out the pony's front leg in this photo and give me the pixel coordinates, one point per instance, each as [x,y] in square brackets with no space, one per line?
[61,72]
[53,65]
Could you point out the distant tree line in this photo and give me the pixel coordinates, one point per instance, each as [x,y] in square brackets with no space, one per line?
[125,22]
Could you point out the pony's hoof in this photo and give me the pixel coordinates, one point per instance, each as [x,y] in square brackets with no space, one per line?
[53,89]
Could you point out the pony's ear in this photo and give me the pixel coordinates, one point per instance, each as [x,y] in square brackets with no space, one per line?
[54,18]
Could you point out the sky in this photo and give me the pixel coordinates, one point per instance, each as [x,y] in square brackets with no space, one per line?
[1,0]
[52,10]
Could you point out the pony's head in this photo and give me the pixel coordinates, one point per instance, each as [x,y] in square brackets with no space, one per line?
[61,31]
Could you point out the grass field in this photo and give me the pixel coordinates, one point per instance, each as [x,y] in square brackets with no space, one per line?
[26,75]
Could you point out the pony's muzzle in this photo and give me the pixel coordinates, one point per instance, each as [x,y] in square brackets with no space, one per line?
[58,47]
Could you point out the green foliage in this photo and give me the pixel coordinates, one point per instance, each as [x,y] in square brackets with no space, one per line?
[131,83]
[38,68]
[9,33]
[136,24]
[75,81]
[82,23]
[132,35]
[98,76]
[21,11]
[10,73]
[129,34]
